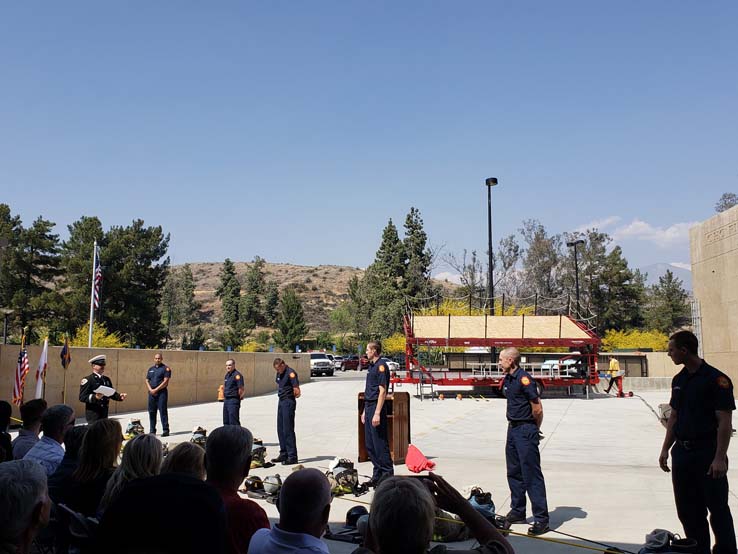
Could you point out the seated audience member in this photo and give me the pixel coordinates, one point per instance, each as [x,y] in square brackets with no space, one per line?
[402,516]
[72,442]
[141,458]
[304,507]
[98,456]
[187,458]
[24,505]
[227,463]
[31,413]
[165,514]
[48,451]
[6,447]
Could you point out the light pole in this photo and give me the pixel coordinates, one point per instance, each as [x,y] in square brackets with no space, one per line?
[574,243]
[489,183]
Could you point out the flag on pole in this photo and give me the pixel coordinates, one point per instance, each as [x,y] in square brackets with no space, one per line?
[21,371]
[98,279]
[43,362]
[66,353]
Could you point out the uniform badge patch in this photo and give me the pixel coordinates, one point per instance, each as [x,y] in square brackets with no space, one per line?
[84,381]
[238,377]
[381,369]
[723,382]
[292,375]
[525,381]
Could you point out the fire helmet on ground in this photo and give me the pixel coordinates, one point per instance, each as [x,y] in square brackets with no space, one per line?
[272,483]
[199,436]
[254,483]
[353,515]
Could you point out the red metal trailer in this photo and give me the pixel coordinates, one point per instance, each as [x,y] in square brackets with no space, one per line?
[500,332]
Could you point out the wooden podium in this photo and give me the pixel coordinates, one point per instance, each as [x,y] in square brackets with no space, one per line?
[398,426]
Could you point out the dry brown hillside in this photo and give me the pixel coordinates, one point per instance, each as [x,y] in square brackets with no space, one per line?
[321,288]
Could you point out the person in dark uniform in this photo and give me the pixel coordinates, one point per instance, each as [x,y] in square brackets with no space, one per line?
[157,381]
[699,429]
[524,416]
[233,392]
[96,404]
[374,416]
[288,390]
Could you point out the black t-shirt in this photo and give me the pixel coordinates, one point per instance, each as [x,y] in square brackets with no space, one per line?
[696,397]
[232,381]
[520,389]
[286,383]
[377,374]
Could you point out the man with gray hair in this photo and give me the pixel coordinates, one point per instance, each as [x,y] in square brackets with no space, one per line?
[227,462]
[24,504]
[304,506]
[48,451]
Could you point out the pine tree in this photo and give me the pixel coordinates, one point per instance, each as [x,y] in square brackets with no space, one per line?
[618,294]
[271,302]
[291,326]
[11,228]
[668,304]
[418,257]
[250,312]
[229,292]
[389,260]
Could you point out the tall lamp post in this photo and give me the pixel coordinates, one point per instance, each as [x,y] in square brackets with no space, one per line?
[574,243]
[489,183]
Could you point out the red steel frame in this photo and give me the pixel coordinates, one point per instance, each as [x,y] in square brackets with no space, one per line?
[448,379]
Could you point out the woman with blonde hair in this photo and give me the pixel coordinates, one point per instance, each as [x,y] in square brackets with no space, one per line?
[186,458]
[141,458]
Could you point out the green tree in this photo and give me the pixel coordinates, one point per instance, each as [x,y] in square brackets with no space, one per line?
[291,326]
[11,229]
[618,294]
[135,267]
[196,341]
[250,310]
[668,306]
[341,319]
[541,260]
[389,260]
[417,283]
[726,201]
[324,340]
[229,292]
[179,308]
[271,302]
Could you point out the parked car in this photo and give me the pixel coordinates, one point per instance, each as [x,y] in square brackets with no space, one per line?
[338,362]
[393,365]
[320,364]
[350,361]
[364,362]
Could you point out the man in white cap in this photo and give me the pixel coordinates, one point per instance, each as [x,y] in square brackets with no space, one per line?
[96,403]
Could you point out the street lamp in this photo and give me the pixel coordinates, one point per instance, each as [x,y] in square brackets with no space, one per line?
[489,183]
[574,243]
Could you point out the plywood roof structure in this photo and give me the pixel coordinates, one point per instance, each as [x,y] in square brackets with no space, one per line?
[500,331]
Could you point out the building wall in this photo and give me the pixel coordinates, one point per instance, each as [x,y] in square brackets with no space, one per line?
[196,375]
[714,252]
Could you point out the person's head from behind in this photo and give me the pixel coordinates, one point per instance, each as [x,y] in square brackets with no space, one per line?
[100,448]
[186,458]
[73,441]
[401,517]
[31,413]
[305,502]
[141,458]
[5,412]
[683,345]
[228,455]
[24,502]
[56,420]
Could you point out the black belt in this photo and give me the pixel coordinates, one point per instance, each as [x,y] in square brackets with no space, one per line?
[519,423]
[697,444]
[232,398]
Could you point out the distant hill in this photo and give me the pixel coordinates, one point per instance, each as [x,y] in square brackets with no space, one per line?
[321,288]
[657,270]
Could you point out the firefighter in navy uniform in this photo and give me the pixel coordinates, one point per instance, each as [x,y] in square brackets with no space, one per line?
[233,392]
[524,415]
[288,391]
[374,416]
[157,381]
[699,428]
[96,405]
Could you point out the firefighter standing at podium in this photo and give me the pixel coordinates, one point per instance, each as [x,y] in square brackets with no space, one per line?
[374,416]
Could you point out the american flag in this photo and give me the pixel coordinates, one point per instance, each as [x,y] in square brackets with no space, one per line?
[98,280]
[20,376]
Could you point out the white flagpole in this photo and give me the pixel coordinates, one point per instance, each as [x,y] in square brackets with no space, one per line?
[92,295]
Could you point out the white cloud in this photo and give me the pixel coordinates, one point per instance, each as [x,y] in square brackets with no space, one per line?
[449,276]
[599,224]
[682,265]
[660,236]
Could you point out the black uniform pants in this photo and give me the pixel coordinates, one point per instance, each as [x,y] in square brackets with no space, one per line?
[91,416]
[286,428]
[158,403]
[524,471]
[376,442]
[231,411]
[696,493]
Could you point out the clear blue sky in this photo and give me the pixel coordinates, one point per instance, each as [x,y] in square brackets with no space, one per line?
[294,130]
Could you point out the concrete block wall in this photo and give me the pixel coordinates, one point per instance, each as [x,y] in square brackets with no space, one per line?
[196,375]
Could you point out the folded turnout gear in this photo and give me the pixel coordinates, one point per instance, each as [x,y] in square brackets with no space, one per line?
[199,436]
[133,429]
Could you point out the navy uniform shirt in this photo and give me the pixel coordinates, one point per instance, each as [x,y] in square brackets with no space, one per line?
[377,374]
[696,397]
[232,382]
[157,374]
[286,382]
[520,389]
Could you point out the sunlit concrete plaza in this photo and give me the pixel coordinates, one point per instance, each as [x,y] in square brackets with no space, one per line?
[599,455]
